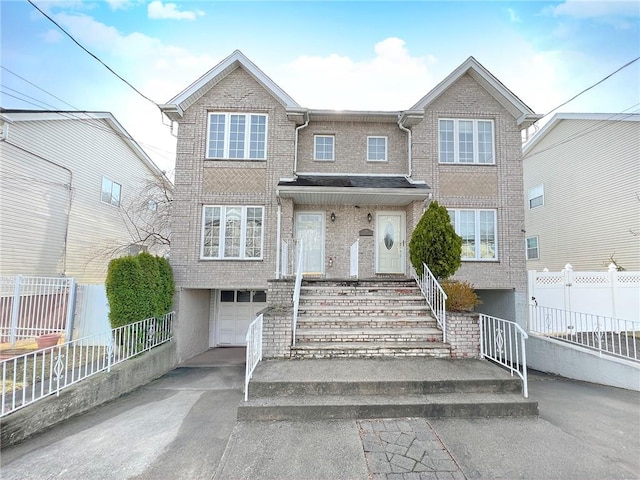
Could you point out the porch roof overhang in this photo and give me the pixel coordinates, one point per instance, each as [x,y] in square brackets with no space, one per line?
[352,190]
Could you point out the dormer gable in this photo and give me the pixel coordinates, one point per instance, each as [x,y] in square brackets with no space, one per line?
[174,109]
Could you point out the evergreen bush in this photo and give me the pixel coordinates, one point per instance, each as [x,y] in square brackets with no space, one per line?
[138,287]
[435,243]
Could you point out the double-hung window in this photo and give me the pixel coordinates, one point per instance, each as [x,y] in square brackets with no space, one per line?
[466,141]
[536,196]
[478,231]
[237,136]
[232,232]
[532,248]
[111,192]
[376,149]
[323,147]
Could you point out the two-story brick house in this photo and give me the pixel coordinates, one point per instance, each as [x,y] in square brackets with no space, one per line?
[256,172]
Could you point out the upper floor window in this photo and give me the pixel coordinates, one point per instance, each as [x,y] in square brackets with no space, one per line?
[111,192]
[376,149]
[536,196]
[532,248]
[466,141]
[478,231]
[232,232]
[237,136]
[323,147]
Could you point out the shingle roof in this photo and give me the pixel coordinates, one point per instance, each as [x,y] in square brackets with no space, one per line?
[352,181]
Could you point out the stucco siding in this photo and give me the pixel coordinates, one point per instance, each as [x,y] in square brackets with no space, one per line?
[591,175]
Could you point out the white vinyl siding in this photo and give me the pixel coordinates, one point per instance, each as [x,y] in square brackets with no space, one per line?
[478,230]
[536,196]
[376,149]
[590,172]
[323,147]
[60,192]
[237,136]
[232,232]
[466,141]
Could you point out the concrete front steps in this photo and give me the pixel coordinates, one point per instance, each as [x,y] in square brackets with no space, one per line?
[365,318]
[382,388]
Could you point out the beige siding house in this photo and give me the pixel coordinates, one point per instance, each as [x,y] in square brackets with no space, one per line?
[257,175]
[582,192]
[66,180]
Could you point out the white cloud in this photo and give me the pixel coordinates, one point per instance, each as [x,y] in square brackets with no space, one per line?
[597,8]
[118,4]
[51,36]
[391,80]
[169,11]
[513,16]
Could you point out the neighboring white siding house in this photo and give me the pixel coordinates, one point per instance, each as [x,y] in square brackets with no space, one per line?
[66,179]
[582,192]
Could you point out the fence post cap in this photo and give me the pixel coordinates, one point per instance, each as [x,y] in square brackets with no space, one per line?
[612,267]
[568,266]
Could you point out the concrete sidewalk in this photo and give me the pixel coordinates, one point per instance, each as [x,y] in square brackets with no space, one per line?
[183,426]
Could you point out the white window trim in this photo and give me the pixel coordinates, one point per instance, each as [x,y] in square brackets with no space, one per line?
[456,145]
[243,233]
[477,232]
[110,202]
[526,247]
[227,135]
[386,143]
[333,148]
[535,192]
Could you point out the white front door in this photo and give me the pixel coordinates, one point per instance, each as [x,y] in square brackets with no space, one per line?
[310,231]
[390,242]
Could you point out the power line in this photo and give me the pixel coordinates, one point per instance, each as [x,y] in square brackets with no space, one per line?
[39,88]
[91,54]
[589,88]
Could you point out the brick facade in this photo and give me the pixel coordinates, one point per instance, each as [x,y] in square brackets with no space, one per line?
[463,334]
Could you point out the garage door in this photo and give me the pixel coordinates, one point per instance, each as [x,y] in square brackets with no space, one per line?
[236,310]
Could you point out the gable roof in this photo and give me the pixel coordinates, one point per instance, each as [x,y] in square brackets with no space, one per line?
[524,116]
[559,117]
[174,108]
[15,116]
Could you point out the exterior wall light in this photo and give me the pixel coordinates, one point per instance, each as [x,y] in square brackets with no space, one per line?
[333,217]
[369,217]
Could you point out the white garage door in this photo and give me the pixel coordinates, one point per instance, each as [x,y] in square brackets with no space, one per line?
[236,310]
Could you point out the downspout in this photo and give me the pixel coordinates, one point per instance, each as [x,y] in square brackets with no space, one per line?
[409,160]
[278,221]
[295,146]
[68,186]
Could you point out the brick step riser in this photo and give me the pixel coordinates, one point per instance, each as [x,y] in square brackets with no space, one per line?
[359,284]
[349,324]
[376,353]
[357,337]
[340,302]
[298,389]
[432,410]
[361,312]
[392,293]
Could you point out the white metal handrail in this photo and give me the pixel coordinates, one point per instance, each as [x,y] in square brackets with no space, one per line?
[254,351]
[434,295]
[503,342]
[611,336]
[296,292]
[32,376]
[353,259]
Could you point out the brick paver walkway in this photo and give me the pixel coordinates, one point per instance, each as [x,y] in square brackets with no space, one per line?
[406,449]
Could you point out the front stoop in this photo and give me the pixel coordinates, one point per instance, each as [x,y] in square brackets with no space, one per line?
[314,389]
[365,318]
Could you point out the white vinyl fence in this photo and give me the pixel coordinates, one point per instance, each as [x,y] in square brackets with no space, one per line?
[610,294]
[30,377]
[32,306]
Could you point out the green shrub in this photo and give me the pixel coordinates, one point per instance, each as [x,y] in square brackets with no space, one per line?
[435,242]
[138,287]
[461,297]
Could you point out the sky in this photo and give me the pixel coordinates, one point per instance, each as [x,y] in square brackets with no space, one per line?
[353,55]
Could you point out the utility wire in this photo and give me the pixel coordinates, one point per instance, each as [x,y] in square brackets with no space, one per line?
[91,54]
[39,88]
[589,88]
